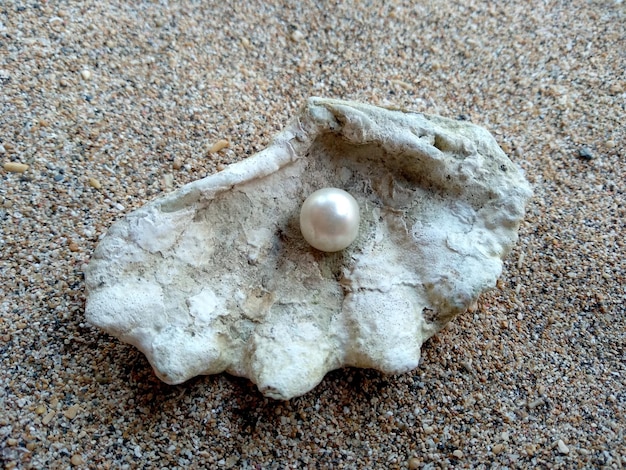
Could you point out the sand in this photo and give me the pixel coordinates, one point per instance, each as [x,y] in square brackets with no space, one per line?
[111,104]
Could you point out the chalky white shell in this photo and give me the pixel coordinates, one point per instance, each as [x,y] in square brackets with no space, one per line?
[216,276]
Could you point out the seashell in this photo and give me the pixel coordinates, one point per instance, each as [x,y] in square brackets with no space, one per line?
[217,276]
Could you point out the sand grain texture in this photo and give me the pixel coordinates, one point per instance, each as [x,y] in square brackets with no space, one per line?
[111,104]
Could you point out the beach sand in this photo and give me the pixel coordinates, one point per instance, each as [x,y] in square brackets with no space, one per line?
[111,104]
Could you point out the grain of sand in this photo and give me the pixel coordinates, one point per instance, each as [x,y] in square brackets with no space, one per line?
[111,104]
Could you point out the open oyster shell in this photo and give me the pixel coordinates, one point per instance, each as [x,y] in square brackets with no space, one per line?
[216,276]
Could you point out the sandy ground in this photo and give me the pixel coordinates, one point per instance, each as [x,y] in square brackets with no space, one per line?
[111,104]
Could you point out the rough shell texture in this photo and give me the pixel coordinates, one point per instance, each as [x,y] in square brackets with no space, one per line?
[217,277]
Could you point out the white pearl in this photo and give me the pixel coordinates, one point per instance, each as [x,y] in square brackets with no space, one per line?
[329,219]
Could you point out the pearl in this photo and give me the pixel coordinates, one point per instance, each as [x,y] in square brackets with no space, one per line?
[329,219]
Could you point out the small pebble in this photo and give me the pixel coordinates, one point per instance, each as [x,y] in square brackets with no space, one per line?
[177,164]
[15,167]
[401,84]
[219,145]
[94,183]
[72,411]
[58,178]
[46,419]
[563,449]
[86,74]
[77,459]
[414,463]
[297,36]
[585,153]
[168,181]
[458,454]
[74,247]
[498,448]
[11,442]
[41,409]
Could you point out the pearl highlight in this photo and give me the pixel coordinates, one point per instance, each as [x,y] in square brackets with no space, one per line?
[329,219]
